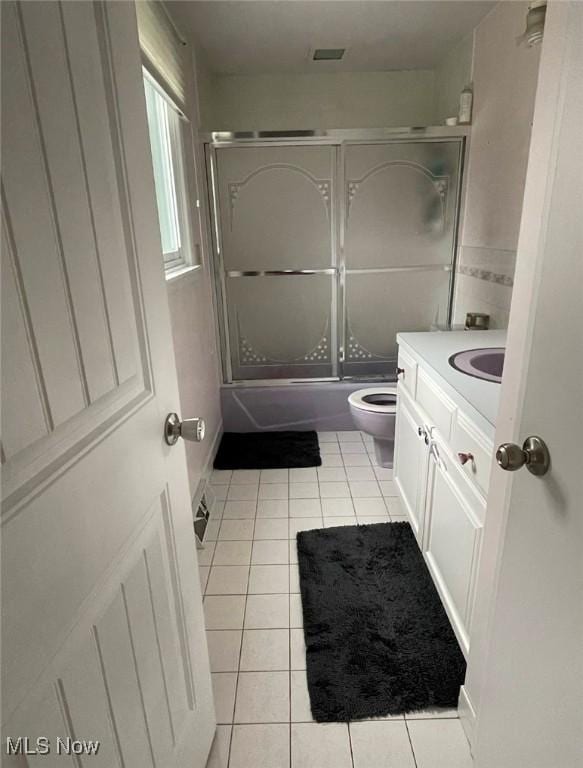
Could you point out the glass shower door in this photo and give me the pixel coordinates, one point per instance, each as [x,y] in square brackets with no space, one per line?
[400,209]
[276,258]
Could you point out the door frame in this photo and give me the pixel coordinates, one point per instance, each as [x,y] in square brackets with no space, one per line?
[341,139]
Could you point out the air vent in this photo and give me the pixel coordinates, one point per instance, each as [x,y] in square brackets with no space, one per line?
[328,54]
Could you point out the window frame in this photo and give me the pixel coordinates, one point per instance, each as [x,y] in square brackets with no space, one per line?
[178,125]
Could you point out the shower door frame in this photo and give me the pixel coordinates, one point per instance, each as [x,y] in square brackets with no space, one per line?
[340,139]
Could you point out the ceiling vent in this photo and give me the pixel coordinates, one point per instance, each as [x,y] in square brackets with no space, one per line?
[328,54]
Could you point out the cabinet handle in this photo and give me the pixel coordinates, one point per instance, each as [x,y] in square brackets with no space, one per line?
[465,457]
[433,450]
[399,371]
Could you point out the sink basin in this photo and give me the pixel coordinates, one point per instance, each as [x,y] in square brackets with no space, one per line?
[486,363]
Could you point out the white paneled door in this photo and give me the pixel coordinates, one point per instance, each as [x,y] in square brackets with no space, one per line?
[103,635]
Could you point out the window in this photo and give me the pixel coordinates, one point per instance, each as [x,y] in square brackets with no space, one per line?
[165,126]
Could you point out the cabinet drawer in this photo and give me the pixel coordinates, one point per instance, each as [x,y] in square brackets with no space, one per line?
[468,439]
[409,376]
[436,404]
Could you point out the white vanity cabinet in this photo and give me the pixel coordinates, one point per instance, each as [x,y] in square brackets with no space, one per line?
[444,499]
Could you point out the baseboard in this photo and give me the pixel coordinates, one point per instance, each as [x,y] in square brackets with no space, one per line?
[467,715]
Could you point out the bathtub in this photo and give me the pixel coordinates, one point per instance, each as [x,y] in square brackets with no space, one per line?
[317,405]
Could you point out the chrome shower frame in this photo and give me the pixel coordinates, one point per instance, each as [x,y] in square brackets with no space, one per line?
[338,138]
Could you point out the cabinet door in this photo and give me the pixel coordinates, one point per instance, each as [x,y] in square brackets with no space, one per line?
[452,542]
[410,470]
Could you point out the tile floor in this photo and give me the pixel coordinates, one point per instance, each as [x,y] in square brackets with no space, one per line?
[253,612]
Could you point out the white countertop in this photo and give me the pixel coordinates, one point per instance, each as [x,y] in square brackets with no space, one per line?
[434,350]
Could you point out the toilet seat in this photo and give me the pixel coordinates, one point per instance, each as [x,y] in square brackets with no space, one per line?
[356,399]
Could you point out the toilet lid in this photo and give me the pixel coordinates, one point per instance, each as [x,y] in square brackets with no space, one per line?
[375,399]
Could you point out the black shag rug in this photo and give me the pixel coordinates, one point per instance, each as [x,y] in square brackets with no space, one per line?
[268,450]
[378,640]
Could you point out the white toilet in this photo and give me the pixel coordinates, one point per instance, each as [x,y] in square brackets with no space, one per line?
[374,411]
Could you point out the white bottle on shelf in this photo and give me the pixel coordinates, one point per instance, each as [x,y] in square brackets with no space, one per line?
[466,99]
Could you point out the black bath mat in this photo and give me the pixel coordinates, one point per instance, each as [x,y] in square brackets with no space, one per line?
[268,450]
[378,641]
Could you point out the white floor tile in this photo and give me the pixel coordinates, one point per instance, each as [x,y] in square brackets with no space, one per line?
[267,612]
[332,460]
[352,448]
[371,519]
[203,572]
[338,490]
[432,714]
[327,437]
[224,687]
[236,530]
[303,490]
[376,507]
[219,754]
[241,476]
[274,476]
[260,746]
[294,579]
[265,650]
[212,530]
[269,552]
[268,579]
[356,460]
[296,615]
[316,745]
[240,510]
[224,611]
[399,519]
[382,473]
[388,488]
[293,551]
[331,474]
[224,649]
[337,507]
[272,508]
[262,697]
[303,475]
[297,524]
[334,522]
[232,553]
[220,492]
[227,580]
[221,476]
[297,649]
[381,743]
[360,473]
[300,698]
[266,528]
[394,506]
[364,489]
[350,436]
[327,449]
[242,492]
[205,555]
[439,744]
[305,508]
[273,491]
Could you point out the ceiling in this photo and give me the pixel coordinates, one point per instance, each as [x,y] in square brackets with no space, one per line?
[276,36]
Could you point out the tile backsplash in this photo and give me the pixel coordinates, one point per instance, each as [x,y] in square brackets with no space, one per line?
[484,281]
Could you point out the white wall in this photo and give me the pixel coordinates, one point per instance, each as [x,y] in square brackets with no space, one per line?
[339,100]
[454,72]
[192,316]
[505,77]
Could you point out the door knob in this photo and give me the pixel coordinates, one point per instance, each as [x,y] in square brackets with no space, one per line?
[189,429]
[534,454]
[399,371]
